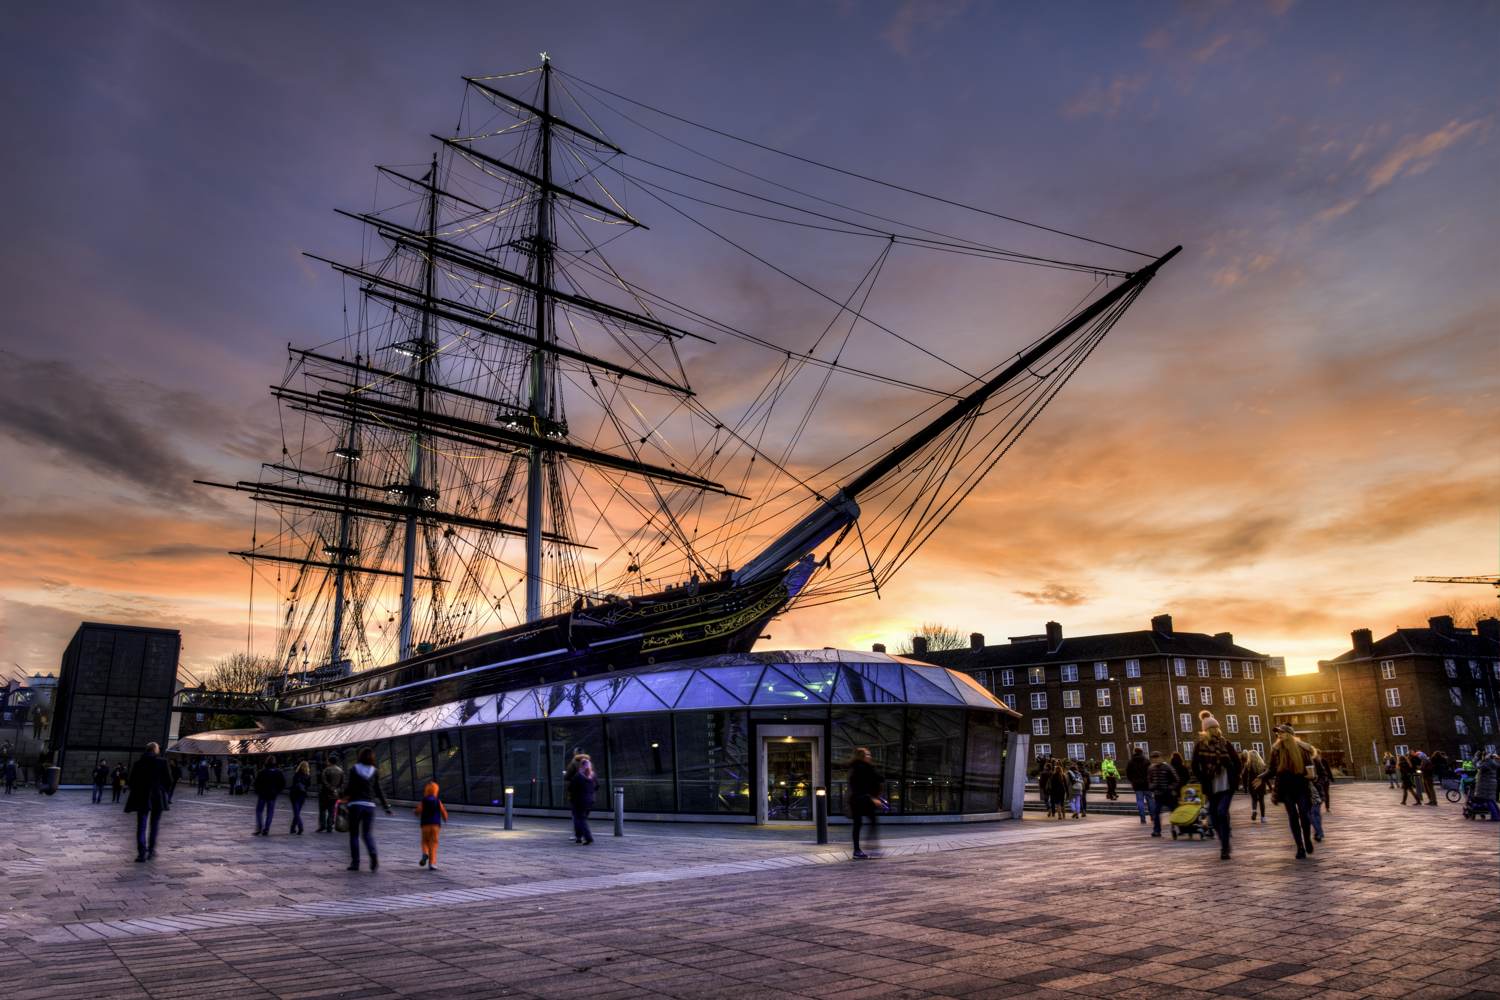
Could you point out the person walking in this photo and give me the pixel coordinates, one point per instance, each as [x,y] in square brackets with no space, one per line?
[582,786]
[1111,775]
[1086,781]
[1058,788]
[218,772]
[1408,774]
[234,776]
[1184,774]
[1074,772]
[1426,771]
[433,814]
[360,793]
[1161,778]
[1315,804]
[117,781]
[200,772]
[10,775]
[1390,768]
[1135,772]
[101,775]
[269,784]
[174,768]
[1290,758]
[1044,768]
[866,797]
[1323,778]
[1217,766]
[1486,786]
[1253,776]
[297,794]
[150,784]
[330,779]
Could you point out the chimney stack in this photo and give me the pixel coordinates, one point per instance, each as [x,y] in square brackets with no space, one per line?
[1162,624]
[1054,637]
[919,645]
[976,640]
[1489,628]
[1364,643]
[1225,637]
[1442,624]
[879,647]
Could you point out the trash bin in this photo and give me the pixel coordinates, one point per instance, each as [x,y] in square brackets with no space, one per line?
[51,778]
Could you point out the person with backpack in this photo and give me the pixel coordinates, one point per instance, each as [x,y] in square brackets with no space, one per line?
[582,785]
[1290,758]
[1217,766]
[329,781]
[1161,778]
[1075,788]
[1135,772]
[1486,784]
[269,783]
[433,814]
[1253,777]
[117,780]
[101,775]
[360,793]
[1111,775]
[1390,769]
[297,794]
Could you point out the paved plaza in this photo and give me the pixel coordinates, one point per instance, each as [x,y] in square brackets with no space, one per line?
[1397,902]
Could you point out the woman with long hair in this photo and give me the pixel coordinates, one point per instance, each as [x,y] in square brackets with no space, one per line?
[360,793]
[1288,768]
[1057,789]
[582,786]
[1253,772]
[1217,767]
[297,794]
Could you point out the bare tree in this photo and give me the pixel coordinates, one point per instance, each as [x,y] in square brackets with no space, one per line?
[1465,613]
[938,636]
[241,672]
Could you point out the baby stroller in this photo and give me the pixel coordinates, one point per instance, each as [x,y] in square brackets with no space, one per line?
[1190,818]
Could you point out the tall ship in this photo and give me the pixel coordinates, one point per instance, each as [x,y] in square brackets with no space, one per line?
[500,467]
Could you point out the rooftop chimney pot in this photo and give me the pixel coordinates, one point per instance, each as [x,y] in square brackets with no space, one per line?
[1225,637]
[1488,628]
[919,645]
[1054,637]
[1364,643]
[976,640]
[1442,624]
[1162,624]
[879,647]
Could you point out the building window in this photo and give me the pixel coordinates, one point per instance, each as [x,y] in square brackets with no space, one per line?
[1070,673]
[1497,670]
[1255,723]
[1388,670]
[1398,725]
[1460,727]
[1202,668]
[1226,669]
[1252,697]
[1076,751]
[1182,695]
[1479,696]
[1135,695]
[1308,699]
[1392,697]
[1107,724]
[1484,723]
[1236,745]
[1259,748]
[1073,725]
[1107,750]
[1038,701]
[1007,678]
[1185,720]
[1142,746]
[1451,668]
[1179,666]
[1101,671]
[1232,723]
[1456,696]
[1101,697]
[1400,749]
[1248,669]
[1010,700]
[1132,668]
[1464,751]
[1229,696]
[1206,695]
[1187,749]
[1040,750]
[1328,697]
[1034,675]
[1070,698]
[1474,670]
[1041,727]
[1137,723]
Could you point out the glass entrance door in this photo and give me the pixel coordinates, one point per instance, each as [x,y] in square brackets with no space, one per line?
[789,779]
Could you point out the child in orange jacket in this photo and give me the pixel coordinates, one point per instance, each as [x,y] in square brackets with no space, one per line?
[434,814]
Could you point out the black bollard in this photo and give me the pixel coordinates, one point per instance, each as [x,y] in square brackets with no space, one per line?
[510,808]
[619,812]
[820,812]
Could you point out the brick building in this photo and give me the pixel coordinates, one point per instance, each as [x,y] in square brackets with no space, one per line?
[114,696]
[1432,688]
[1313,705]
[1095,696]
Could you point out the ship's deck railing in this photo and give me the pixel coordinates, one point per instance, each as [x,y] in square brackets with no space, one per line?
[235,702]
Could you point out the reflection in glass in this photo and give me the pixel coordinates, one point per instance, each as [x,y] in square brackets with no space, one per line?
[448,765]
[421,762]
[525,750]
[399,784]
[788,779]
[984,762]
[738,681]
[482,766]
[570,736]
[934,760]
[640,753]
[879,729]
[713,755]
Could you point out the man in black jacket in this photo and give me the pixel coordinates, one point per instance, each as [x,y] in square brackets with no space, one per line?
[1135,771]
[148,799]
[269,783]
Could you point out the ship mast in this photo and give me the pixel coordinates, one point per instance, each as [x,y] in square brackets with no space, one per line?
[541,361]
[414,492]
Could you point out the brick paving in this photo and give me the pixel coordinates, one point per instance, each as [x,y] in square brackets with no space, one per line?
[1397,902]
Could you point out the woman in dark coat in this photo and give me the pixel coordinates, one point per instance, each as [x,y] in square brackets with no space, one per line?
[1217,766]
[269,783]
[360,793]
[297,794]
[582,785]
[1180,766]
[150,796]
[1058,786]
[866,795]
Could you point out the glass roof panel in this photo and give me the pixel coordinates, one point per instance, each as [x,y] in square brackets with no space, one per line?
[667,685]
[817,678]
[738,681]
[936,675]
[520,705]
[636,697]
[921,691]
[856,688]
[972,691]
[566,699]
[704,693]
[603,691]
[778,689]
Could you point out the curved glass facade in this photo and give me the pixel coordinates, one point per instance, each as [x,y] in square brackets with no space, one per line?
[682,738]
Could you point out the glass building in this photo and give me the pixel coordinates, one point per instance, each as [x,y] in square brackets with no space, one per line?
[738,738]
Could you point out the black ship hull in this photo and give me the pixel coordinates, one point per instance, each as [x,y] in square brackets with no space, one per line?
[688,622]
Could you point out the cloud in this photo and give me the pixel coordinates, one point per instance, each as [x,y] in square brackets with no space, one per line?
[1055,593]
[917,17]
[1105,98]
[1414,155]
[1205,52]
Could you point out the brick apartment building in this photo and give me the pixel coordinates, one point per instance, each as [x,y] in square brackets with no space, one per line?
[1096,696]
[1312,703]
[1432,688]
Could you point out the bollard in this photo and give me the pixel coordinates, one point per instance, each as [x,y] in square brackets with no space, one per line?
[619,812]
[820,812]
[510,808]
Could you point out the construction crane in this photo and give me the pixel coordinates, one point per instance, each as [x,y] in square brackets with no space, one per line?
[1493,581]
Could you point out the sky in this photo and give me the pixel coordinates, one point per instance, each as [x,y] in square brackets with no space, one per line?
[1294,420]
